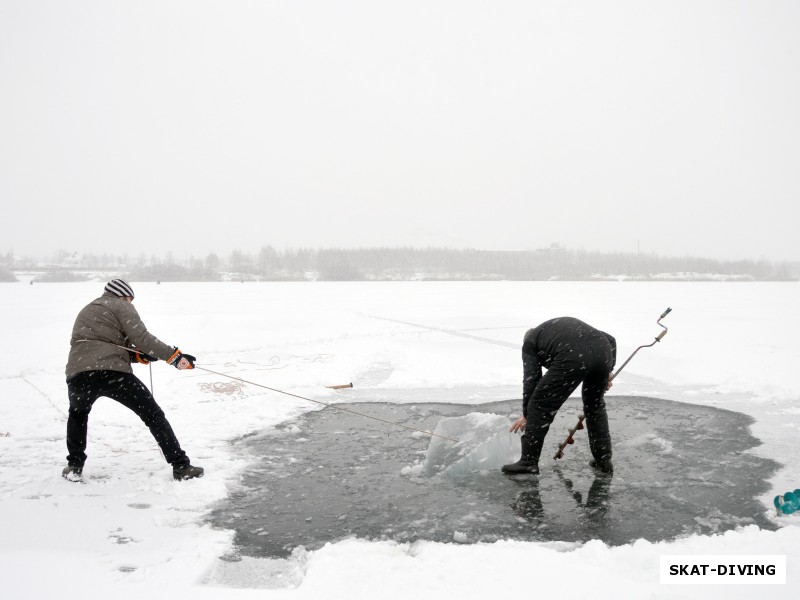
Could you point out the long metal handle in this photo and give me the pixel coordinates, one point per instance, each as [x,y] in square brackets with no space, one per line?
[657,339]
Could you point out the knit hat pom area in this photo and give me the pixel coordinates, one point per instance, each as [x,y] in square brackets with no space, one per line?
[119,287]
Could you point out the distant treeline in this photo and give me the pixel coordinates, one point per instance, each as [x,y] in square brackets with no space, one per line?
[396,264]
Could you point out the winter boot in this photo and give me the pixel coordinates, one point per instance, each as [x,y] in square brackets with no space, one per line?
[182,472]
[72,473]
[604,466]
[601,451]
[528,464]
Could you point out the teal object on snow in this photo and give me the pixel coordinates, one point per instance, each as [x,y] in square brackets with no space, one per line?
[788,503]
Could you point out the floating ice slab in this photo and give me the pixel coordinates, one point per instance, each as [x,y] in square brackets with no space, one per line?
[484,442]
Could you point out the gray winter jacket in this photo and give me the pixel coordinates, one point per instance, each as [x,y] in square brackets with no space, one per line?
[102,326]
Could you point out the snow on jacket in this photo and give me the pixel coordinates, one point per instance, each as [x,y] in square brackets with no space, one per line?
[102,326]
[547,343]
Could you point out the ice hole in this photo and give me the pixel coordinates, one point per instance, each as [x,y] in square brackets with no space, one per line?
[330,475]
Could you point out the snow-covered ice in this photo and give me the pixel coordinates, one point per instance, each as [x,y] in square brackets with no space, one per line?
[129,529]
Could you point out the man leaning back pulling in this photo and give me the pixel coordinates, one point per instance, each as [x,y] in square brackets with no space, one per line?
[99,364]
[573,353]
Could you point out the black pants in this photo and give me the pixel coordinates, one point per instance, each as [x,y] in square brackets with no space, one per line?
[587,362]
[84,388]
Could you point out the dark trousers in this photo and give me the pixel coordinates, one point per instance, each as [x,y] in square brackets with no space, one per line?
[86,387]
[588,363]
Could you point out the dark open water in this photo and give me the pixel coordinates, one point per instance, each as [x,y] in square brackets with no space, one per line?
[679,469]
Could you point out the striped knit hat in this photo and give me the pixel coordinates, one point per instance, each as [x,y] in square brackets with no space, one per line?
[119,287]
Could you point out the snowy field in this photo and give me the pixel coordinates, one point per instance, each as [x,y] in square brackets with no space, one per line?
[130,529]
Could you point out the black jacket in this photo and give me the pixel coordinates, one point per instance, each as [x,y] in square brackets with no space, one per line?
[545,344]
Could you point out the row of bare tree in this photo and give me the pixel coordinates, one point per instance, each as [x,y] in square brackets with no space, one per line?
[385,264]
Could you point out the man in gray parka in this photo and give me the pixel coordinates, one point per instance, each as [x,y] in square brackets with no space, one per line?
[107,337]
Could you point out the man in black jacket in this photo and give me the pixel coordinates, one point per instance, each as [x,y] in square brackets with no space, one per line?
[573,353]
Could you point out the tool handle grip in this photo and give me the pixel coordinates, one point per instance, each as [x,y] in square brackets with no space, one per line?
[665,313]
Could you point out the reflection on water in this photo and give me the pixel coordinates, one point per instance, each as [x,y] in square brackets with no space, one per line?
[679,469]
[528,502]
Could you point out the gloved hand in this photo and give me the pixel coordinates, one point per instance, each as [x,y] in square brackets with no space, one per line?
[181,361]
[141,357]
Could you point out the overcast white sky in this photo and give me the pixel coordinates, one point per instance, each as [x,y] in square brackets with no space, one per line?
[210,126]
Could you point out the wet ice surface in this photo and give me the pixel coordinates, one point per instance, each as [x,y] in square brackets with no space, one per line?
[679,469]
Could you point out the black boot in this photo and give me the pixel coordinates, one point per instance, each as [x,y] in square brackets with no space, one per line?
[72,473]
[601,451]
[180,473]
[528,464]
[604,466]
[599,436]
